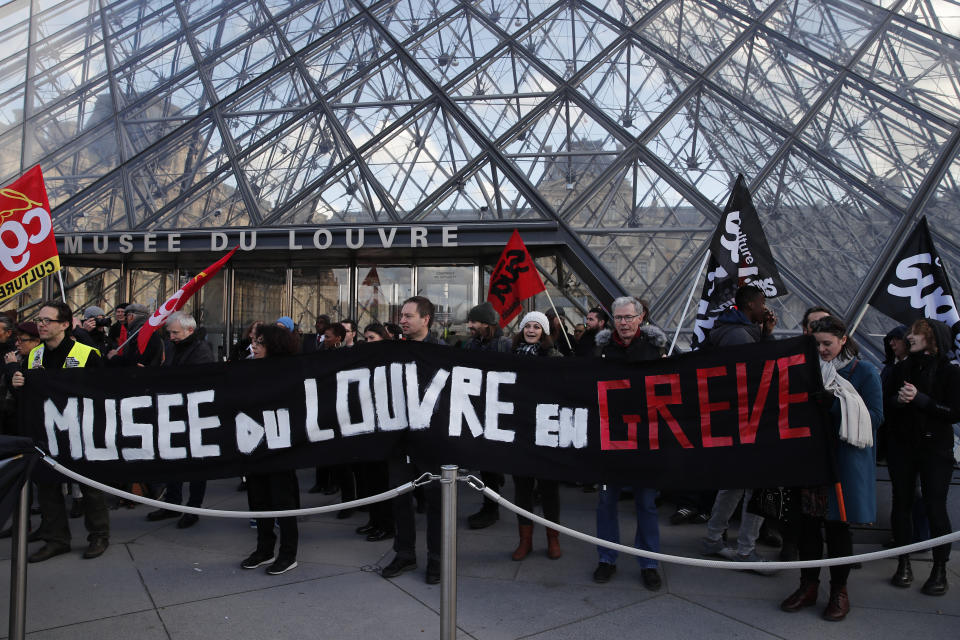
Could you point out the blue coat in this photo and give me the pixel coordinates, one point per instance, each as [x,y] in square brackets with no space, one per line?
[858,467]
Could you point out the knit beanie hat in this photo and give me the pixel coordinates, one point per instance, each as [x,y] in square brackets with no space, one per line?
[93,312]
[484,312]
[286,321]
[539,318]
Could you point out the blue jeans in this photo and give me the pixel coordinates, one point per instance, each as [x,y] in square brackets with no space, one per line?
[608,523]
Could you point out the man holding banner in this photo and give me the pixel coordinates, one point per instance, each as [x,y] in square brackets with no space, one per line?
[57,351]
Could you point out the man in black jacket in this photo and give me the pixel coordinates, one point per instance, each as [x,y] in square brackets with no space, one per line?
[597,321]
[187,347]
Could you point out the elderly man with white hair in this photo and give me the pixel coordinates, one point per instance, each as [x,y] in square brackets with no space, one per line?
[187,347]
[632,340]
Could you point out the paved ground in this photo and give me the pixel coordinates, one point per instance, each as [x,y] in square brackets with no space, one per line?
[158,582]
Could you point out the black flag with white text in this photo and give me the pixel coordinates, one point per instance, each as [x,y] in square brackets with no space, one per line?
[739,255]
[916,285]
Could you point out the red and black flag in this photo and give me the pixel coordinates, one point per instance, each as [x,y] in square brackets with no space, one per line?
[739,255]
[514,279]
[916,285]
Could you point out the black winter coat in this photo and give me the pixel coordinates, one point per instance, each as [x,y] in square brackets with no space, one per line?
[193,350]
[650,343]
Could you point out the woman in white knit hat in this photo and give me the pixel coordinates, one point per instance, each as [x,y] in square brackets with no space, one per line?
[534,340]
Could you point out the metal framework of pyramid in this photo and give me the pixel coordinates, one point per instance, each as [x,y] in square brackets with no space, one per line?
[625,121]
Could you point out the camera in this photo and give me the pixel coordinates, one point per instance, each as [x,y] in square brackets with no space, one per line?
[103,322]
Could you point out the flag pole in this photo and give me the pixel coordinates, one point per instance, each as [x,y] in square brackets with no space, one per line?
[63,290]
[693,290]
[557,313]
[129,338]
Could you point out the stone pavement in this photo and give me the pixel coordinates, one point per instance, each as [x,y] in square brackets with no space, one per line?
[156,582]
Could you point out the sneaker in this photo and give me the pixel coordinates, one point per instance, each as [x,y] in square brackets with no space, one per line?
[162,514]
[603,572]
[187,520]
[651,579]
[710,547]
[753,556]
[433,572]
[281,566]
[258,559]
[487,516]
[682,515]
[398,566]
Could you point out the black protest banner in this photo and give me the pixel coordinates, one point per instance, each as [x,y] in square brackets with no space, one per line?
[723,418]
[739,255]
[916,285]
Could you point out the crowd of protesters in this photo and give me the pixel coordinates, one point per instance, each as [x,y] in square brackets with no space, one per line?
[906,411]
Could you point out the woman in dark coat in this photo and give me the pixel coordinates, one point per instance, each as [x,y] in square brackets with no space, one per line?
[924,395]
[534,340]
[279,490]
[856,468]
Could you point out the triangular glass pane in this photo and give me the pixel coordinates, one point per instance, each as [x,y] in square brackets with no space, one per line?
[83,73]
[831,28]
[145,75]
[228,25]
[170,171]
[568,38]
[293,158]
[134,28]
[563,151]
[345,197]
[822,227]
[780,82]
[942,15]
[403,18]
[512,15]
[695,33]
[711,140]
[102,208]
[886,144]
[218,204]
[446,50]
[350,54]
[942,208]
[371,103]
[238,66]
[65,34]
[76,165]
[68,119]
[266,106]
[162,113]
[412,162]
[919,66]
[311,21]
[480,195]
[633,86]
[626,12]
[502,91]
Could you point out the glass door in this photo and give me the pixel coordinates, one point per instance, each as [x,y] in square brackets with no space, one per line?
[381,291]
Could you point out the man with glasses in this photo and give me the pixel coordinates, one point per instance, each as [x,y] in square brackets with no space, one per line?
[58,350]
[630,341]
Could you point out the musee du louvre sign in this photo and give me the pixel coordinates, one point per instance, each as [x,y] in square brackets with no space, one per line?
[328,237]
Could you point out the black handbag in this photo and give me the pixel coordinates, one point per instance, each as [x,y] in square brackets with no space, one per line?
[774,503]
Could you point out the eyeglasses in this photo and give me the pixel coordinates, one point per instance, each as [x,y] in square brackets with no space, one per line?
[46,321]
[626,318]
[258,341]
[27,339]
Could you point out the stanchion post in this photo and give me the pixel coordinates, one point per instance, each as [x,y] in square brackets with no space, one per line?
[18,566]
[448,552]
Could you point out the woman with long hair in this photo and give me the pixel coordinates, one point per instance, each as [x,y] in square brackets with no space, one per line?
[923,394]
[278,490]
[857,386]
[534,340]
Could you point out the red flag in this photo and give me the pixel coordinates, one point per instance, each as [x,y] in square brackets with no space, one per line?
[513,280]
[28,250]
[177,300]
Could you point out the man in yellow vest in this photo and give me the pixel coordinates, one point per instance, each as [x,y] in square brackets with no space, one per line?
[58,350]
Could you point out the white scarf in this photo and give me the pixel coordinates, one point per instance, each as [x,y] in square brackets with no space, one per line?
[856,427]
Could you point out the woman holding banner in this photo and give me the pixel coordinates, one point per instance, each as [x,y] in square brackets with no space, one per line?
[924,395]
[856,413]
[278,490]
[534,340]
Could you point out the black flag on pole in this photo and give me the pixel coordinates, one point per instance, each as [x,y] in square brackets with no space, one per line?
[916,285]
[739,255]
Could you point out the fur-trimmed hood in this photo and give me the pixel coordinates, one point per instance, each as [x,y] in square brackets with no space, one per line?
[652,334]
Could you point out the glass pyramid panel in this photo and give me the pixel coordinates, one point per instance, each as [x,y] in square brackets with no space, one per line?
[10,144]
[942,208]
[343,197]
[693,32]
[627,12]
[834,29]
[942,15]
[217,204]
[445,50]
[266,106]
[311,20]
[513,15]
[101,208]
[351,53]
[236,67]
[134,29]
[567,38]
[144,74]
[75,166]
[12,78]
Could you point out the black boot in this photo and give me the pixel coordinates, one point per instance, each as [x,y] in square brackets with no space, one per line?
[489,513]
[936,584]
[904,575]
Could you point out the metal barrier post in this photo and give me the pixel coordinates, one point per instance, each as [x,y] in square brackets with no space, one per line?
[448,552]
[18,566]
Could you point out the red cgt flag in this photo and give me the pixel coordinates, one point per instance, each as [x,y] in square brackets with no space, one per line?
[177,300]
[513,280]
[28,250]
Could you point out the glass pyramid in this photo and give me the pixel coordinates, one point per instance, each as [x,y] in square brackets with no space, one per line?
[624,120]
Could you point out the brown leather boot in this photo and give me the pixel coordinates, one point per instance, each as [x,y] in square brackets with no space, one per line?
[839,605]
[553,544]
[526,542]
[805,596]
